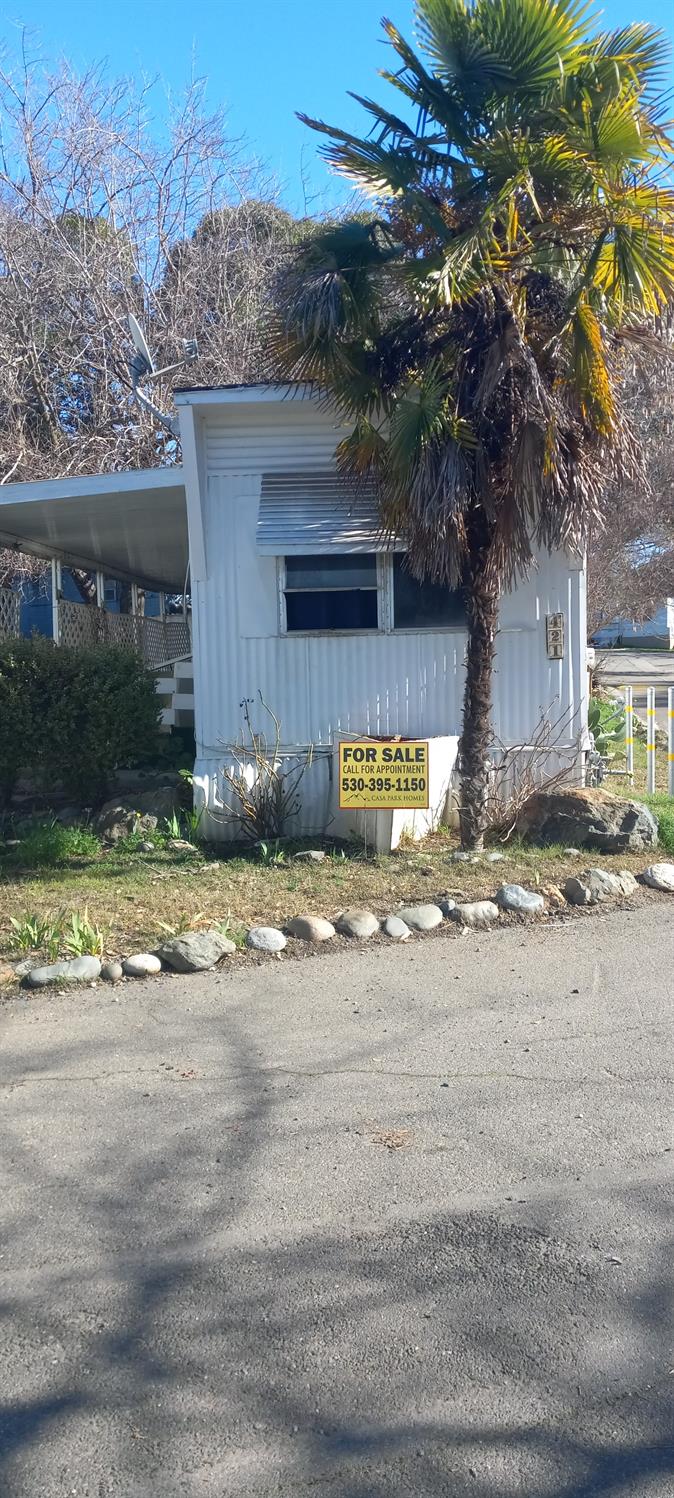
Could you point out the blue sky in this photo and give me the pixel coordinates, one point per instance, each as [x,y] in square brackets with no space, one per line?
[263,58]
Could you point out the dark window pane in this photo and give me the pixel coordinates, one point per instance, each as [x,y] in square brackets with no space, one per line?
[424,605]
[347,610]
[332,571]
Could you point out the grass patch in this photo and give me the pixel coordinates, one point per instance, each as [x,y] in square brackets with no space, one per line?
[49,845]
[662,807]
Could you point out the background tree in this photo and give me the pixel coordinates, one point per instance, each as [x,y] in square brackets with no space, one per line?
[631,553]
[474,332]
[102,212]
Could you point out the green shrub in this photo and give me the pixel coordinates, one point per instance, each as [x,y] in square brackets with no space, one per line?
[73,716]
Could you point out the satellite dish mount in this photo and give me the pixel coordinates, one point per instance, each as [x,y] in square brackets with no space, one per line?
[142,371]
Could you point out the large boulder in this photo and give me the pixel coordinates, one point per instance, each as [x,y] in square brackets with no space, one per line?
[119,819]
[161,802]
[588,819]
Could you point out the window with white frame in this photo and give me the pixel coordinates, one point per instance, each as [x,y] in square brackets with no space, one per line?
[363,592]
[331,592]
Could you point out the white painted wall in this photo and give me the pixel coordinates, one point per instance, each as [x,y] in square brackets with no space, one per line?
[407,682]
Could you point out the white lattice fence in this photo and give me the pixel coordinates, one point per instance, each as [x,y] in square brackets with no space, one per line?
[156,640]
[10,614]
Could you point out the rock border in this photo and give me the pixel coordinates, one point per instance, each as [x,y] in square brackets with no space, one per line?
[212,948]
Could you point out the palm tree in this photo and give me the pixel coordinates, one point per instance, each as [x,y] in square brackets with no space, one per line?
[475,329]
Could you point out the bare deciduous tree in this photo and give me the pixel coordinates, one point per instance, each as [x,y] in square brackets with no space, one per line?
[631,556]
[102,213]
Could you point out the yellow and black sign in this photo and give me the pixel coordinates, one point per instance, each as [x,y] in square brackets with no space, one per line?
[383,773]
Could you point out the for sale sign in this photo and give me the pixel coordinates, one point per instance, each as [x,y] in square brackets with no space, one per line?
[383,773]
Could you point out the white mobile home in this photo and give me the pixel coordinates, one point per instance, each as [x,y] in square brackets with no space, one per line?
[295,596]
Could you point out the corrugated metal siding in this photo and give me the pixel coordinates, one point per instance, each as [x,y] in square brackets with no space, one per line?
[369,683]
[270,439]
[312,513]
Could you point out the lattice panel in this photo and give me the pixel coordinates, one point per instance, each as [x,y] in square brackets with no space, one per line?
[156,640]
[10,614]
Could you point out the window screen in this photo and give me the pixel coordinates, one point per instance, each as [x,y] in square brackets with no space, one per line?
[331,592]
[424,605]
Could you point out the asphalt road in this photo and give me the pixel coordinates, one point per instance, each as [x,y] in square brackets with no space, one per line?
[387,1221]
[650,666]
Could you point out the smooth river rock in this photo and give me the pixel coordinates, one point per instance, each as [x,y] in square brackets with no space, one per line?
[475,913]
[266,939]
[311,928]
[397,929]
[75,970]
[420,917]
[141,965]
[112,972]
[358,923]
[660,876]
[516,897]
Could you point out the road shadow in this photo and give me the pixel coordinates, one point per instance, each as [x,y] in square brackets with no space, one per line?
[164,1331]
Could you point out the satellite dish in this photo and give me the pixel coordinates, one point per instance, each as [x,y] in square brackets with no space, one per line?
[140,344]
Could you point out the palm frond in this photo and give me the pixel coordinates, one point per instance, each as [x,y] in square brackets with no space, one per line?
[536,40]
[460,57]
[636,268]
[639,52]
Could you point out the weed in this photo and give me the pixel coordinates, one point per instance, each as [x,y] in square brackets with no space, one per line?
[186,824]
[184,922]
[236,933]
[82,938]
[271,854]
[49,845]
[192,821]
[172,825]
[32,931]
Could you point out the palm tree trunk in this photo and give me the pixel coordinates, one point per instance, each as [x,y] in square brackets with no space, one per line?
[482,610]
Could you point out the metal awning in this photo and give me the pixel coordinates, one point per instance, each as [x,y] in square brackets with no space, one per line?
[131,525]
[314,513]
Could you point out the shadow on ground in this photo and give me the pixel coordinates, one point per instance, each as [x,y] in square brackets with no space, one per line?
[163,1333]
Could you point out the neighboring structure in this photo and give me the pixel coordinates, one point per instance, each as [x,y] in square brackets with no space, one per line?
[657,632]
[127,529]
[295,596]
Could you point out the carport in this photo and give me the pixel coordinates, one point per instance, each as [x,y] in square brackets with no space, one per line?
[131,526]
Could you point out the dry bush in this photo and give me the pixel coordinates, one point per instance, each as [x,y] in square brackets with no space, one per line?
[263,781]
[523,770]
